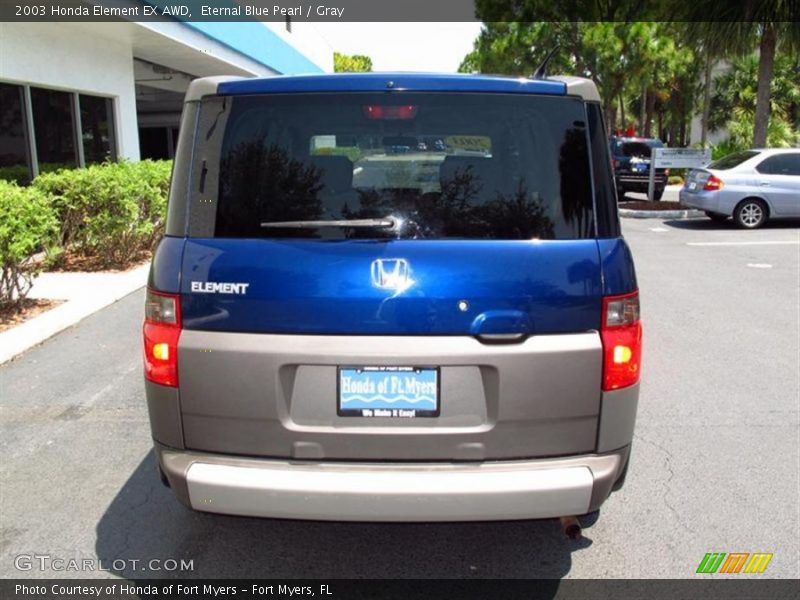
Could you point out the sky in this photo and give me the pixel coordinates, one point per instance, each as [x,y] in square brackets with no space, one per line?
[404,46]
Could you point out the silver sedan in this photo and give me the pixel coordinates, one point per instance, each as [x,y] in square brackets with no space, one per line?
[750,186]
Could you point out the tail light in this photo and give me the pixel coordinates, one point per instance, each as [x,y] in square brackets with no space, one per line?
[162,329]
[713,183]
[621,333]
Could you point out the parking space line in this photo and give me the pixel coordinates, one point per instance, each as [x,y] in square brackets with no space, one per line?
[775,243]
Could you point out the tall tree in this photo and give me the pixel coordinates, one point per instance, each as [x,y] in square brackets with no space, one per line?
[736,95]
[706,99]
[619,57]
[769,25]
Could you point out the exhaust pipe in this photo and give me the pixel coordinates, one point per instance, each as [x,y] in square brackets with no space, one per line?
[571,527]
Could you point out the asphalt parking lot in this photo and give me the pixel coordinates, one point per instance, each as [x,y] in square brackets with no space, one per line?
[715,467]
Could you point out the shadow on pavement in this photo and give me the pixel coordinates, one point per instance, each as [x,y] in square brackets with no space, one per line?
[145,521]
[703,224]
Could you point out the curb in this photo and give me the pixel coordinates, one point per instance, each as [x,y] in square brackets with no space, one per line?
[660,214]
[33,332]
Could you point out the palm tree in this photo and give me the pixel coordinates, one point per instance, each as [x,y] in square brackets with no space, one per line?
[740,28]
[735,95]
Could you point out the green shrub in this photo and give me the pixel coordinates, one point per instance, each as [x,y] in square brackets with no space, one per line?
[21,175]
[53,167]
[16,173]
[724,148]
[27,226]
[113,210]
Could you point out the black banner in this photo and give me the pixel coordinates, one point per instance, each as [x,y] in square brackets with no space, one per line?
[377,10]
[457,589]
[235,10]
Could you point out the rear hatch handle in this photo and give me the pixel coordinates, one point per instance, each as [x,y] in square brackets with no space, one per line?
[501,338]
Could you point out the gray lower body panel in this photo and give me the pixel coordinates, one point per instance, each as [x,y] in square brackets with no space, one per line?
[275,396]
[532,489]
[617,418]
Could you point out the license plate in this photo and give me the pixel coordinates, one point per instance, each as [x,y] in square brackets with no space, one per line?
[395,392]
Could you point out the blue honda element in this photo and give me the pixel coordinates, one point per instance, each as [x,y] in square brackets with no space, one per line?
[393,297]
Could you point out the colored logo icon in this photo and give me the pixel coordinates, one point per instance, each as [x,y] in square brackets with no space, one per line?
[734,562]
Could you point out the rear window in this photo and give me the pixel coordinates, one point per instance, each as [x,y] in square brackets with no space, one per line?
[440,166]
[732,160]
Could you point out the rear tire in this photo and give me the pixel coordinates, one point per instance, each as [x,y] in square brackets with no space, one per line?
[750,213]
[716,217]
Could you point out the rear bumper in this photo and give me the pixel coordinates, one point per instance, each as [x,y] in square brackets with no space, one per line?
[702,200]
[639,182]
[532,489]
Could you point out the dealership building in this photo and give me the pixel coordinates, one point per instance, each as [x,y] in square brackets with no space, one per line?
[73,94]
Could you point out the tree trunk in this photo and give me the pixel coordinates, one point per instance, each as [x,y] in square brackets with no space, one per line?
[611,126]
[706,101]
[682,133]
[685,125]
[648,120]
[643,110]
[607,118]
[672,136]
[622,110]
[766,61]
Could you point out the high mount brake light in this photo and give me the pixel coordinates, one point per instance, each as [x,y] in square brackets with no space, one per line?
[162,330]
[621,333]
[391,112]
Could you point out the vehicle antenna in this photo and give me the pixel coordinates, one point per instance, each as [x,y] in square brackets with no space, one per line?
[541,70]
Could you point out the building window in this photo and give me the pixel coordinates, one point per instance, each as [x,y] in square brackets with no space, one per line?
[96,128]
[54,129]
[42,130]
[14,157]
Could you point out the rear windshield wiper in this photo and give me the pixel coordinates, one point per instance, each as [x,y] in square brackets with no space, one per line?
[387,223]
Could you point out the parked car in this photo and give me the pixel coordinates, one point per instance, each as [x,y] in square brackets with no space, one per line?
[632,156]
[751,186]
[323,347]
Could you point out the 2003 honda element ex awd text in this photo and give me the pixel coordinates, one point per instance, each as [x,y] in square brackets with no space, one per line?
[393,297]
